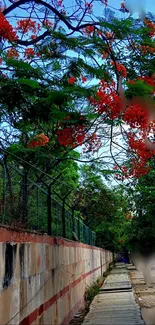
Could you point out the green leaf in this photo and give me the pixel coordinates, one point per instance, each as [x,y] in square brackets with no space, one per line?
[28,82]
[19,64]
[56,66]
[107,171]
[92,116]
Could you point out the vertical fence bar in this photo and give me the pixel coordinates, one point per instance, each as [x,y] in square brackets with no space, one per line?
[49,212]
[38,225]
[25,196]
[4,195]
[63,219]
[89,236]
[79,227]
[73,224]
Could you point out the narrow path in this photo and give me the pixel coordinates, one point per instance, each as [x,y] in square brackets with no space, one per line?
[115,304]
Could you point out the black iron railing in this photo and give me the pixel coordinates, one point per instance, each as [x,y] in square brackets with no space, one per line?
[30,203]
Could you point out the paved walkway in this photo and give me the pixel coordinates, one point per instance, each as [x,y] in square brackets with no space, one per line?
[115,304]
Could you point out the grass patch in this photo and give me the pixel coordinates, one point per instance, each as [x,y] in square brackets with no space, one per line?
[93,290]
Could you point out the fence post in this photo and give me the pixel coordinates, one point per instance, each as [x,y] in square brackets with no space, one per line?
[37,206]
[4,194]
[101,263]
[25,195]
[79,226]
[63,219]
[89,237]
[73,223]
[49,211]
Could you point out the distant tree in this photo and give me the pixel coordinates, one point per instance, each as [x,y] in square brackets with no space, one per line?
[141,230]
[103,209]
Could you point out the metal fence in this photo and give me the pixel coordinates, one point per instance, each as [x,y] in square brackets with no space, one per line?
[29,203]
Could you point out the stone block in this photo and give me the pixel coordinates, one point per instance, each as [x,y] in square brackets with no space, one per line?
[9,305]
[2,268]
[31,251]
[66,255]
[71,255]
[17,266]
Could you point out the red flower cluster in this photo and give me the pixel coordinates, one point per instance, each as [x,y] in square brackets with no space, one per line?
[93,143]
[151,27]
[39,141]
[89,30]
[107,100]
[136,116]
[47,23]
[29,53]
[71,136]
[138,168]
[146,49]
[71,80]
[139,165]
[150,81]
[27,25]
[139,148]
[84,79]
[12,53]
[6,30]
[120,68]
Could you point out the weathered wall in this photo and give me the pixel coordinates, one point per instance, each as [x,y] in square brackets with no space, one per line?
[43,279]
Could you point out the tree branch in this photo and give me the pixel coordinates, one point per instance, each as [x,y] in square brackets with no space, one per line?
[55,11]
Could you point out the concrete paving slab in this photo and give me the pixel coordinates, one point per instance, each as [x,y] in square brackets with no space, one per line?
[116,307]
[119,270]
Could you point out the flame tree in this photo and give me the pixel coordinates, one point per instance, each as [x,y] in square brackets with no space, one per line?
[63,71]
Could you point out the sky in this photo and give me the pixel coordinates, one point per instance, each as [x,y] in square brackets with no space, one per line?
[148,4]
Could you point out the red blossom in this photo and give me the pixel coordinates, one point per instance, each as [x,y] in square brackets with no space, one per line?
[71,136]
[107,101]
[151,27]
[136,116]
[89,30]
[6,30]
[29,52]
[12,53]
[84,79]
[71,80]
[93,143]
[150,81]
[26,25]
[39,141]
[120,68]
[99,32]
[47,23]
[139,164]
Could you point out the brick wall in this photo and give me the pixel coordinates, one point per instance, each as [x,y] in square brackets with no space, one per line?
[43,279]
